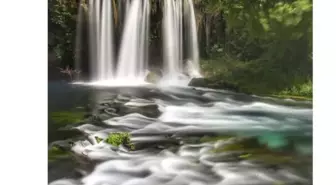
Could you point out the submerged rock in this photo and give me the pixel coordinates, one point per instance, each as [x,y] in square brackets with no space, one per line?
[150,110]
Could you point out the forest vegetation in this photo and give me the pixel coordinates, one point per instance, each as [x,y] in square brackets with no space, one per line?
[263,46]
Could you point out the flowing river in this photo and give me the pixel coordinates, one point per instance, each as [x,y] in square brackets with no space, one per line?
[179,136]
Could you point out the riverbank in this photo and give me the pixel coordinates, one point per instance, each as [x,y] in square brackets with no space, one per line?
[254,78]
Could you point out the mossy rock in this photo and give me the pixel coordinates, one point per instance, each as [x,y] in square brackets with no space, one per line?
[255,150]
[116,139]
[67,117]
[153,77]
[206,139]
[56,153]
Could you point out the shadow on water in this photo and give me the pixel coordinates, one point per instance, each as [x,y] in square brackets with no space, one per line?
[179,134]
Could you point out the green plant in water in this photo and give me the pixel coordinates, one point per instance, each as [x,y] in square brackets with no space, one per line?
[117,139]
[67,117]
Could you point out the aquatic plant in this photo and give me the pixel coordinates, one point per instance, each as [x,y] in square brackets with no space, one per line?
[123,138]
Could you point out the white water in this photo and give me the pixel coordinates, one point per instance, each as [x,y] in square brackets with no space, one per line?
[105,62]
[189,163]
[132,63]
[193,55]
[101,39]
[172,38]
[132,58]
[172,28]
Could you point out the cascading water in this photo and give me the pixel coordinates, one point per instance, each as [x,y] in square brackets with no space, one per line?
[172,38]
[173,41]
[193,55]
[101,40]
[134,45]
[179,33]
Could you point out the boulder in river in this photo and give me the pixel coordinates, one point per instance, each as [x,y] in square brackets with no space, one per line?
[198,82]
[153,76]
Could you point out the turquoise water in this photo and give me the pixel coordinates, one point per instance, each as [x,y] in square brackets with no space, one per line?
[167,126]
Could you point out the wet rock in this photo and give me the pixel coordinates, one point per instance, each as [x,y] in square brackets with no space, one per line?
[123,98]
[198,82]
[104,116]
[214,84]
[153,76]
[151,110]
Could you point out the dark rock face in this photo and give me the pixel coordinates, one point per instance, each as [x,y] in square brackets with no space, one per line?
[54,74]
[214,84]
[198,82]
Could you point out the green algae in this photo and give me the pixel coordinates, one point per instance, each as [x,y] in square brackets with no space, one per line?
[56,153]
[67,117]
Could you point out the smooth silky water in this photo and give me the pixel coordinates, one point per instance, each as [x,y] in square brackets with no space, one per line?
[179,134]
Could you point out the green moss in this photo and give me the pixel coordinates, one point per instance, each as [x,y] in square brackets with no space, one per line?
[117,139]
[255,151]
[245,156]
[205,139]
[67,117]
[55,153]
[248,145]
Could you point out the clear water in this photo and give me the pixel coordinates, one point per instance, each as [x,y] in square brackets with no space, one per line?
[168,127]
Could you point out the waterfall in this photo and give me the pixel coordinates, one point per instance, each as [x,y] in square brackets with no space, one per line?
[193,55]
[101,39]
[134,44]
[179,41]
[172,38]
[79,36]
[173,28]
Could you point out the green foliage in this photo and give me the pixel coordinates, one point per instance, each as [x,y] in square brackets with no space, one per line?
[266,46]
[62,29]
[263,46]
[257,77]
[305,89]
[117,139]
[67,117]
